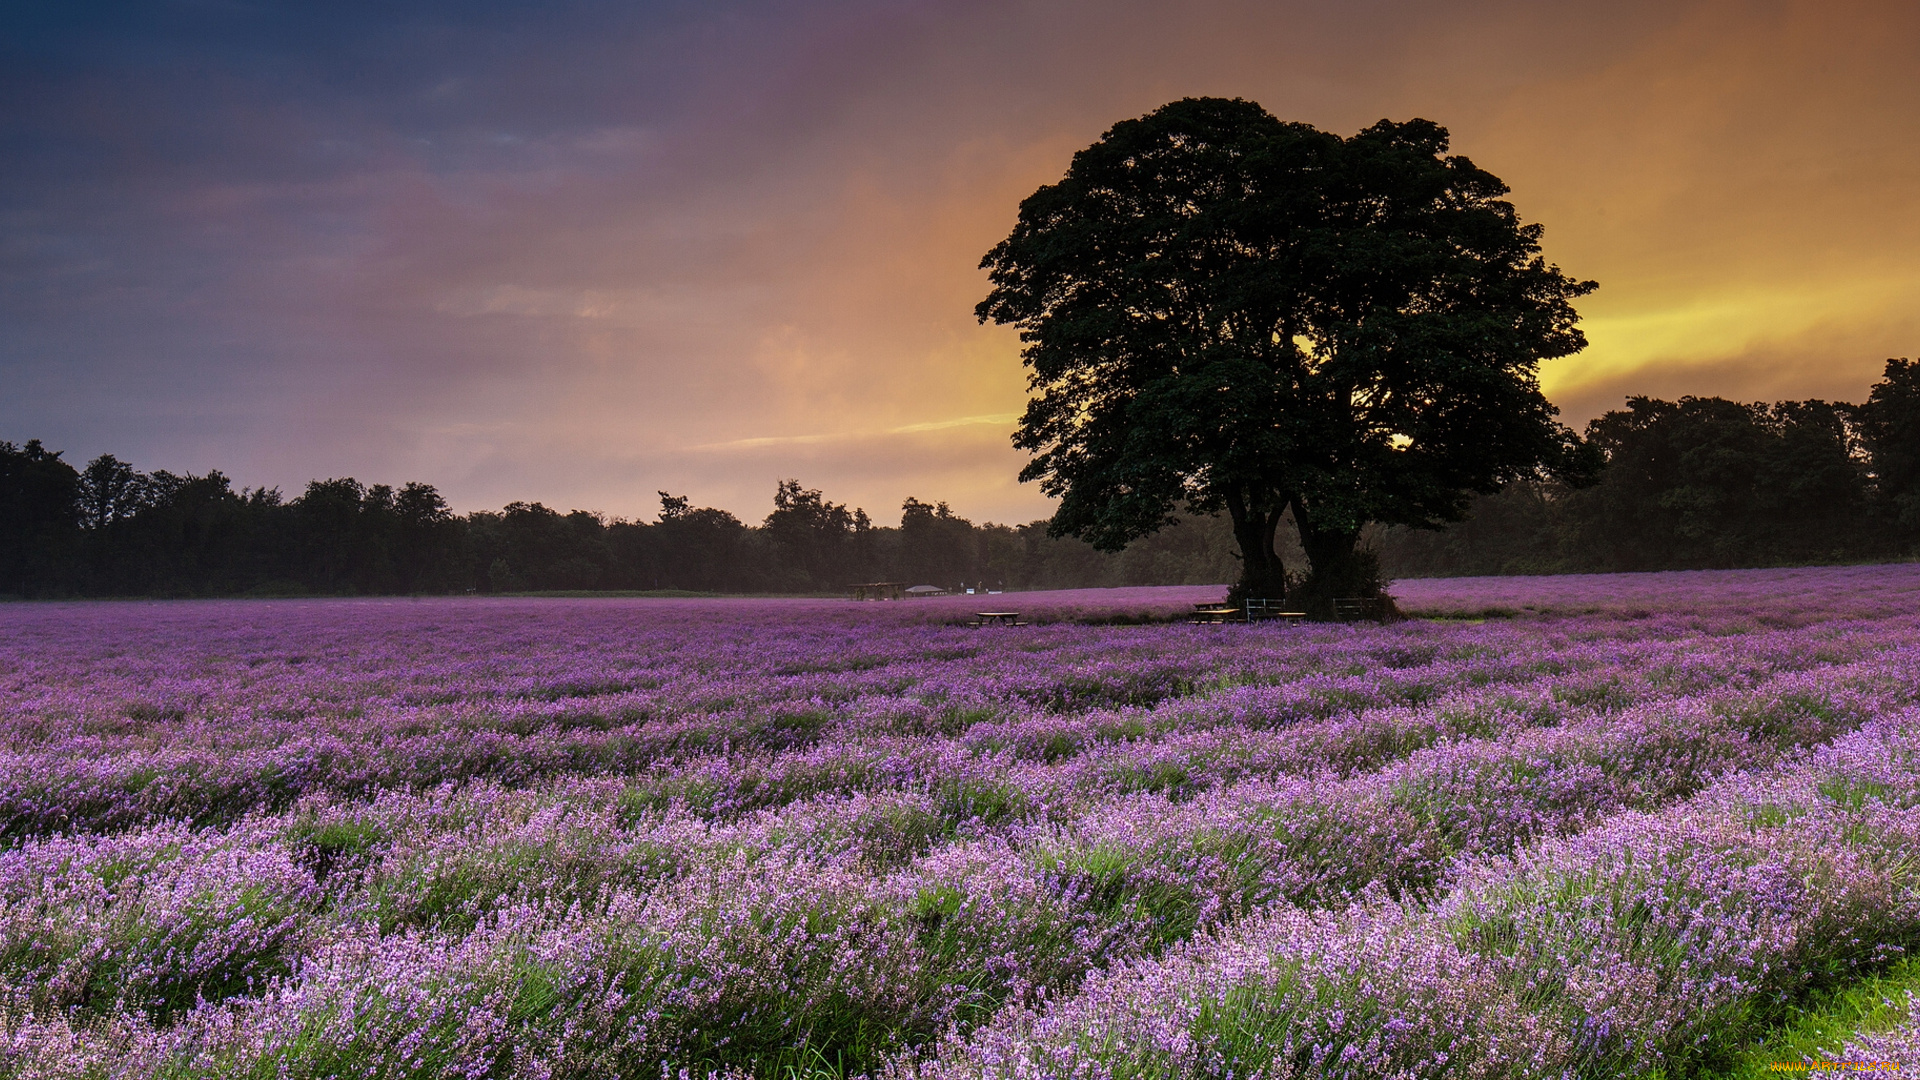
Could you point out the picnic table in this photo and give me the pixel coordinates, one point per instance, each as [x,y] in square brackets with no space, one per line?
[1213,613]
[997,618]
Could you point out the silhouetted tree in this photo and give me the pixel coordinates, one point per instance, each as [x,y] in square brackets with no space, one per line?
[1225,312]
[1889,426]
[39,520]
[936,546]
[426,540]
[701,549]
[1706,482]
[110,491]
[331,536]
[815,540]
[532,546]
[198,536]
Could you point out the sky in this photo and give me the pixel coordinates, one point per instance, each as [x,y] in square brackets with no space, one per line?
[580,252]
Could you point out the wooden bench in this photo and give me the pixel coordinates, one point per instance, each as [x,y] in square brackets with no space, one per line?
[1255,610]
[1258,610]
[996,618]
[1353,608]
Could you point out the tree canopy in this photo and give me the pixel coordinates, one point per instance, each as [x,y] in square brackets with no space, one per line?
[1222,311]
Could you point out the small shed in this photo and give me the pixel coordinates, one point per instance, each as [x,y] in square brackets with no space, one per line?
[926,590]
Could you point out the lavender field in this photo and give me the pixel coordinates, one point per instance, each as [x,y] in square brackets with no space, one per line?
[1578,826]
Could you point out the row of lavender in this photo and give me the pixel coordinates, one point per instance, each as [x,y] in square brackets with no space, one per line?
[1637,943]
[851,896]
[111,716]
[1643,943]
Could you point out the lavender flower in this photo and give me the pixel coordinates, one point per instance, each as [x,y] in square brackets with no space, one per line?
[1578,827]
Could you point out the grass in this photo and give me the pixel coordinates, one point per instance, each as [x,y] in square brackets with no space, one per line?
[1822,1026]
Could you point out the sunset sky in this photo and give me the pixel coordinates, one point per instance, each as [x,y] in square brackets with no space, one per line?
[578,252]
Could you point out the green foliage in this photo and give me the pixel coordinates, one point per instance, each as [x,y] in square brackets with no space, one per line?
[338,845]
[1817,1028]
[988,802]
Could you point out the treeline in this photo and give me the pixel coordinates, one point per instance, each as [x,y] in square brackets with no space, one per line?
[1705,483]
[1697,483]
[110,530]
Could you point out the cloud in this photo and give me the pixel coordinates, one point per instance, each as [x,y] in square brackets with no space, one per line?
[1003,421]
[586,252]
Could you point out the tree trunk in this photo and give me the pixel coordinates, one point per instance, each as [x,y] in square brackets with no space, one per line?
[1338,568]
[1262,575]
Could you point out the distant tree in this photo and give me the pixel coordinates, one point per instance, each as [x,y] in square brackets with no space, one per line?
[110,491]
[817,541]
[112,494]
[1814,486]
[198,536]
[1706,482]
[937,547]
[39,519]
[332,538]
[377,536]
[1889,425]
[701,549]
[426,544]
[1519,529]
[530,545]
[674,507]
[1221,311]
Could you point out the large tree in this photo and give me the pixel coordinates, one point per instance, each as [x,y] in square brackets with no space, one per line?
[1221,311]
